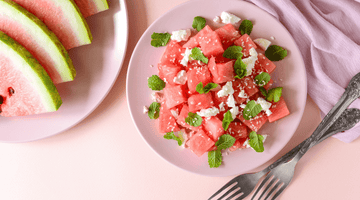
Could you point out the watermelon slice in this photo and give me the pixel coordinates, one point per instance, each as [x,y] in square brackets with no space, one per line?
[228,34]
[174,95]
[255,123]
[25,86]
[213,126]
[91,7]
[200,101]
[245,85]
[167,122]
[237,130]
[223,72]
[200,143]
[279,110]
[63,18]
[33,34]
[196,75]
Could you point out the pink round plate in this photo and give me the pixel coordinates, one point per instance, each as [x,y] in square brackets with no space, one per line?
[97,66]
[290,74]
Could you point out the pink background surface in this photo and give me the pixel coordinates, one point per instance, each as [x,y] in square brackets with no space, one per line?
[104,157]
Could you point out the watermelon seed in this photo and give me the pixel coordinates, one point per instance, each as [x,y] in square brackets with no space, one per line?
[11,91]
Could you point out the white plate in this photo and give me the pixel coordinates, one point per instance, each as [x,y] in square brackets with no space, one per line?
[97,66]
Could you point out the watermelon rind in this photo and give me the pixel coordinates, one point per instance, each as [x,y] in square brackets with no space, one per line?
[61,68]
[91,7]
[32,70]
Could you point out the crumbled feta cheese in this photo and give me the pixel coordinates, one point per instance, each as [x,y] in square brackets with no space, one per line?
[272,37]
[208,112]
[175,113]
[234,111]
[229,18]
[250,61]
[242,94]
[226,90]
[262,43]
[221,106]
[181,77]
[265,136]
[242,106]
[186,57]
[231,101]
[155,96]
[246,144]
[181,35]
[265,105]
[145,109]
[217,19]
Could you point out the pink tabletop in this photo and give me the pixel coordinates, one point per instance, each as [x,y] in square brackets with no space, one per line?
[104,157]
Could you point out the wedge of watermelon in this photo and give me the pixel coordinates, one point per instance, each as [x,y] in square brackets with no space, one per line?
[91,7]
[63,18]
[33,34]
[25,87]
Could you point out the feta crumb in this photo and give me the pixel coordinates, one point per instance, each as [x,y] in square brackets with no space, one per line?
[208,112]
[234,112]
[226,90]
[242,106]
[246,144]
[151,65]
[229,18]
[250,61]
[231,101]
[145,109]
[221,106]
[265,136]
[262,43]
[186,57]
[181,35]
[217,19]
[272,37]
[264,105]
[155,96]
[175,113]
[181,77]
[242,94]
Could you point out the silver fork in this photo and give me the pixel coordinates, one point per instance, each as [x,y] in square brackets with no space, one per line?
[247,182]
[283,173]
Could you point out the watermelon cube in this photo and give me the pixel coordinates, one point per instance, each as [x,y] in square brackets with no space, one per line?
[183,115]
[166,120]
[213,126]
[279,110]
[228,34]
[239,144]
[200,143]
[194,41]
[246,43]
[196,75]
[263,64]
[174,95]
[255,123]
[246,86]
[200,101]
[168,72]
[269,84]
[172,54]
[237,130]
[223,72]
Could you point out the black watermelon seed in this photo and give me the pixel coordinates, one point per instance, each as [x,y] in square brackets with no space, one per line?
[1,99]
[11,91]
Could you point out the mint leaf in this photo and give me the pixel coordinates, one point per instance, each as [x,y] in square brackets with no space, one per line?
[262,79]
[246,27]
[233,52]
[171,136]
[225,141]
[251,110]
[227,120]
[274,94]
[193,119]
[275,53]
[256,141]
[198,23]
[240,69]
[263,91]
[214,158]
[160,39]
[155,83]
[154,110]
[203,90]
[196,54]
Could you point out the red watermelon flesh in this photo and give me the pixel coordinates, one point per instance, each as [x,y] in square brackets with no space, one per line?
[183,115]
[200,101]
[196,75]
[237,130]
[255,123]
[210,44]
[247,84]
[246,43]
[166,120]
[263,64]
[91,7]
[168,72]
[224,72]
[269,84]
[200,143]
[193,64]
[172,54]
[62,18]
[279,110]
[228,34]
[174,95]
[239,144]
[213,126]
[195,40]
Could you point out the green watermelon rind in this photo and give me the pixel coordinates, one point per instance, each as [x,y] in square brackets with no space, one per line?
[68,71]
[33,72]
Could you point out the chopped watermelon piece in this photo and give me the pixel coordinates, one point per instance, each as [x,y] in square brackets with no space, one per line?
[239,144]
[221,59]
[255,123]
[174,95]
[237,130]
[167,121]
[228,34]
[223,72]
[200,101]
[195,41]
[183,115]
[213,126]
[269,84]
[247,85]
[263,64]
[196,75]
[200,143]
[193,64]
[246,43]
[168,72]
[279,110]
[172,54]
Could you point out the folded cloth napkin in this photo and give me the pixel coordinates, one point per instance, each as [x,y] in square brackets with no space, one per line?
[327,33]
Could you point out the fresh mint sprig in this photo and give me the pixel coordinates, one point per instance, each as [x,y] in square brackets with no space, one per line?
[154,110]
[215,157]
[233,52]
[251,110]
[240,69]
[171,136]
[155,83]
[246,27]
[199,23]
[227,120]
[196,54]
[256,141]
[262,79]
[225,141]
[274,94]
[275,53]
[193,119]
[203,90]
[160,39]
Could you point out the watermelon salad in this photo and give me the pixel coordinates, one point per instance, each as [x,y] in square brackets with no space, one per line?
[34,38]
[214,91]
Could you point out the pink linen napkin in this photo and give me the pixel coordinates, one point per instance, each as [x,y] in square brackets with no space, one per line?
[327,33]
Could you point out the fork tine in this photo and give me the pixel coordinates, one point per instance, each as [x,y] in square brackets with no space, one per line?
[267,187]
[223,188]
[273,189]
[260,186]
[233,195]
[229,191]
[279,192]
